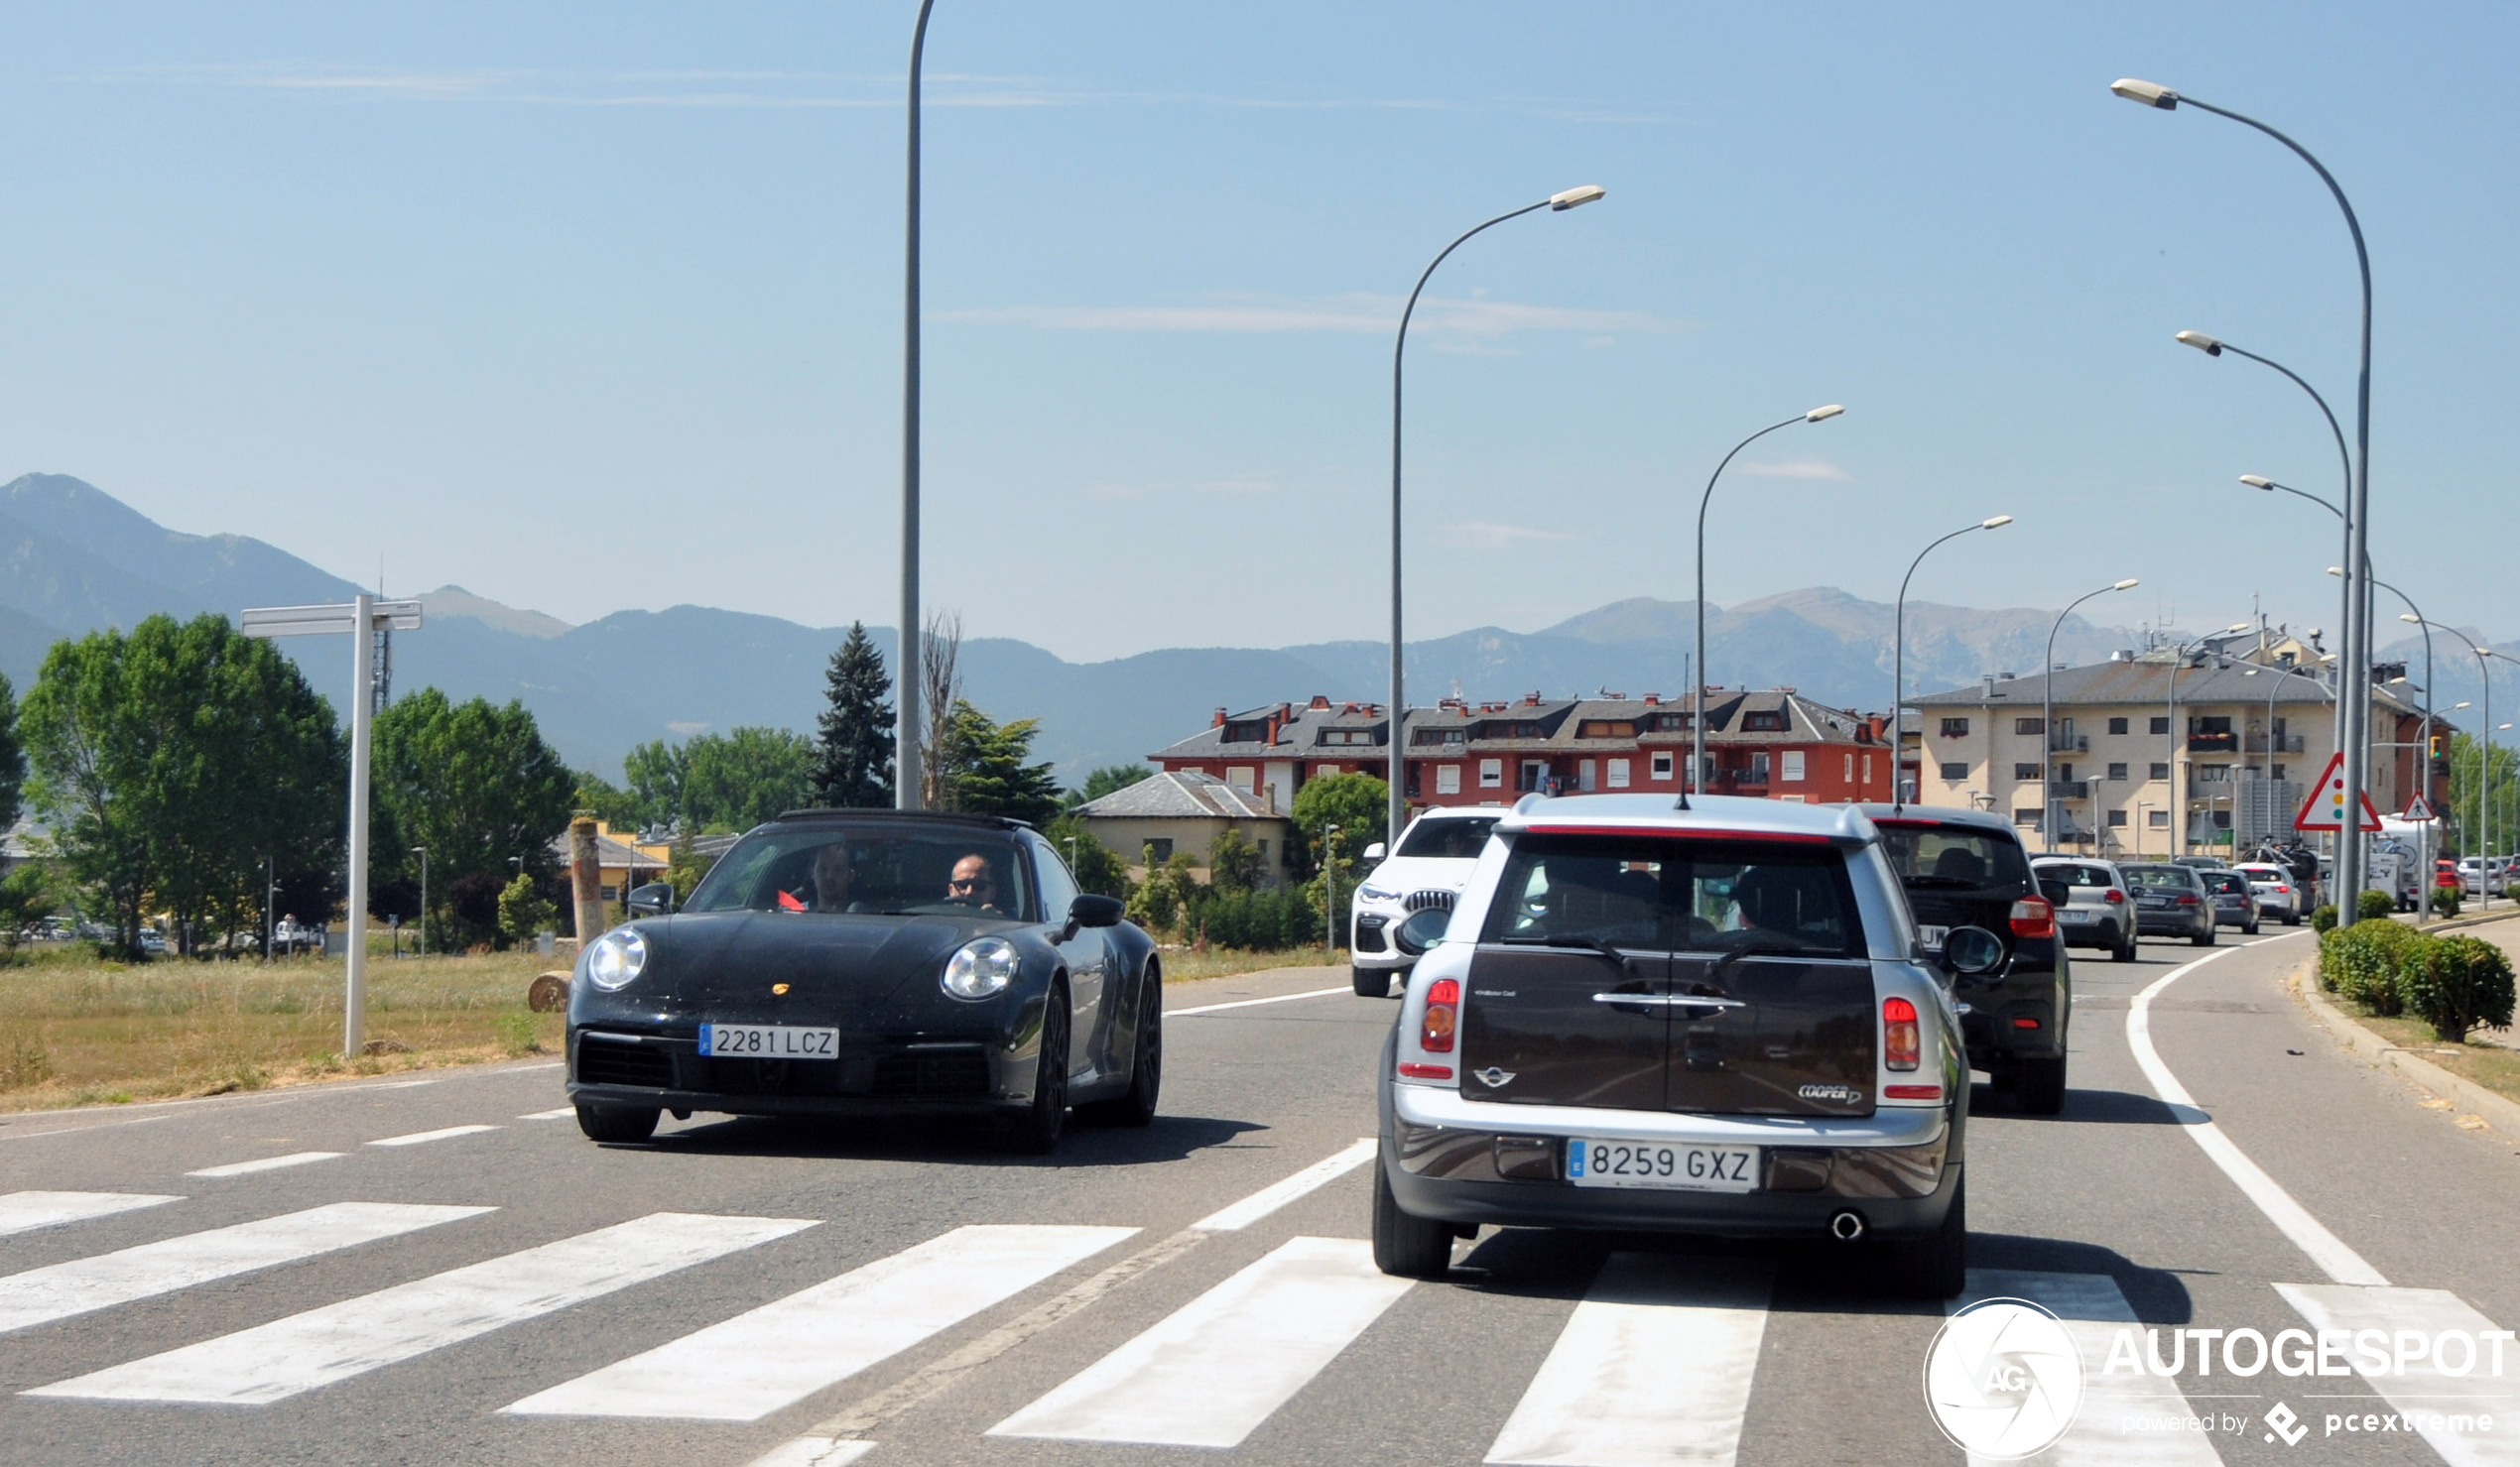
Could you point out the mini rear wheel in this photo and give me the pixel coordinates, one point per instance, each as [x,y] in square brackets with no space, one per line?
[617,1121]
[1405,1246]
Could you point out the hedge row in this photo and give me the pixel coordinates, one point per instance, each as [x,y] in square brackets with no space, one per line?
[1262,920]
[2453,983]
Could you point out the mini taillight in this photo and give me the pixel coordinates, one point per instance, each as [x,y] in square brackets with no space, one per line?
[2113,894]
[1443,1012]
[1898,1034]
[1912,1092]
[1426,1071]
[2032,916]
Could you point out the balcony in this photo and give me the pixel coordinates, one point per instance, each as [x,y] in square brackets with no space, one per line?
[2213,742]
[2069,788]
[2069,743]
[2284,743]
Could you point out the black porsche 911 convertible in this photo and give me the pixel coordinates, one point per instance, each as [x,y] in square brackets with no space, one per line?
[871,963]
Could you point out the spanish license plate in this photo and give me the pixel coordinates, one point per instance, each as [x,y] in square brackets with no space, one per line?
[1646,1163]
[769,1041]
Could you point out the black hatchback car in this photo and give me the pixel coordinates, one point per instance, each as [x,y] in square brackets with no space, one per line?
[871,963]
[1967,868]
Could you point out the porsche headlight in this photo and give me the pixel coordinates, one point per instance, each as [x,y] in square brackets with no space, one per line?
[981,968]
[616,959]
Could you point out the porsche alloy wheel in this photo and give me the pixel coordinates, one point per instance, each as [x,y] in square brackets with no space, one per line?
[1034,1130]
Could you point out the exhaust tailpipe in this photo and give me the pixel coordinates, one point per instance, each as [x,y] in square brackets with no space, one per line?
[1846,1226]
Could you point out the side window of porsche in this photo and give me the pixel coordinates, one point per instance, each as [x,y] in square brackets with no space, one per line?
[1058,888]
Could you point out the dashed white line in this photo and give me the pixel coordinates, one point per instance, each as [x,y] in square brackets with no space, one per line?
[564,1113]
[24,1212]
[1284,998]
[1270,1198]
[419,1138]
[266,1164]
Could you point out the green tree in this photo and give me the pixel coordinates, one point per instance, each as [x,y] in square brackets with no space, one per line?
[1098,869]
[854,750]
[1356,804]
[12,757]
[2501,785]
[739,779]
[475,785]
[524,911]
[1104,781]
[651,775]
[686,867]
[26,897]
[608,802]
[985,771]
[173,762]
[1234,862]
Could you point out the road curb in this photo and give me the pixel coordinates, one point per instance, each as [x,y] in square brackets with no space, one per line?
[2497,1111]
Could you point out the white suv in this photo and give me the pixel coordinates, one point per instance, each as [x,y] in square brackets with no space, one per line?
[1430,869]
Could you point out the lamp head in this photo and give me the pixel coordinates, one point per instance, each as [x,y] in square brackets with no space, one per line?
[2201,342]
[2235,627]
[1997,522]
[2259,481]
[2336,571]
[2150,93]
[1576,198]
[1823,414]
[2127,584]
[2409,616]
[2462,703]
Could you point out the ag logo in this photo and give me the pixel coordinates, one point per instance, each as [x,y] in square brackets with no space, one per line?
[2003,1379]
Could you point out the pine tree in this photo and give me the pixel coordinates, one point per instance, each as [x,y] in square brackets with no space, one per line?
[855,765]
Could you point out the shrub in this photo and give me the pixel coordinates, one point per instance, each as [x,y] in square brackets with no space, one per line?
[2446,900]
[1261,920]
[2370,906]
[2323,919]
[2456,983]
[2364,963]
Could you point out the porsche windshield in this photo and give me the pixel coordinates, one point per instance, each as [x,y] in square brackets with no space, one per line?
[875,870]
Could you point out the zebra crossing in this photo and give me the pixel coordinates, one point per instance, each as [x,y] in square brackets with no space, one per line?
[1658,1362]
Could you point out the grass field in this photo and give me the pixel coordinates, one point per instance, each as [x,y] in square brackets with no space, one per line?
[75,1030]
[2491,1065]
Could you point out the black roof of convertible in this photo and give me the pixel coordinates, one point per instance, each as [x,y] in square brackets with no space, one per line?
[956,817]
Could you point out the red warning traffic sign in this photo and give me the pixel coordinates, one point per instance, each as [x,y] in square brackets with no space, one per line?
[2326,807]
[2420,809]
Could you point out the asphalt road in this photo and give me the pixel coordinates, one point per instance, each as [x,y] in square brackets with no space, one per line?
[1201,1286]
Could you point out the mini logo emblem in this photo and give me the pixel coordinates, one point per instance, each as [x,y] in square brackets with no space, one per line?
[1494,1078]
[778,988]
[1842,1094]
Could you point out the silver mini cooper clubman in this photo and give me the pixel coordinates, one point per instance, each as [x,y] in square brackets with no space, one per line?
[1714,1020]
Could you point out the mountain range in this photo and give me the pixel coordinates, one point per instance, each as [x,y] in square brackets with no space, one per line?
[73,558]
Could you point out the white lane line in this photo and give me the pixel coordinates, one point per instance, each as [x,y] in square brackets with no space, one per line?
[2325,1248]
[813,1451]
[24,1212]
[1654,1367]
[288,1356]
[2092,1310]
[2428,1399]
[1270,1198]
[419,1138]
[779,1354]
[42,1295]
[67,1130]
[1218,1367]
[1284,998]
[564,1113]
[399,1085]
[266,1164]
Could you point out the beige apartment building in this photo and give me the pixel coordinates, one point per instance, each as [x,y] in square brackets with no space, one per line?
[2155,755]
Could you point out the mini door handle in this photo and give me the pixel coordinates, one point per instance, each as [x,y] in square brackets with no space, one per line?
[1668,1001]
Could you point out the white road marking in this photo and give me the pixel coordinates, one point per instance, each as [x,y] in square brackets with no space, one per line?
[1284,998]
[777,1355]
[399,1085]
[419,1138]
[2092,1310]
[1215,1369]
[24,1212]
[813,1451]
[266,1164]
[2325,1248]
[288,1356]
[2422,1392]
[1270,1198]
[564,1113]
[67,1130]
[1653,1367]
[40,1296]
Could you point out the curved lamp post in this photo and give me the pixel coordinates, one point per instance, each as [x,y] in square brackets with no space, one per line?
[2423,757]
[1697,695]
[1899,658]
[906,646]
[2048,715]
[2485,759]
[2354,688]
[2345,594]
[1559,203]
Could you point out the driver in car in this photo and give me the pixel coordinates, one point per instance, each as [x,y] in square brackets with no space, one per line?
[973,884]
[832,875]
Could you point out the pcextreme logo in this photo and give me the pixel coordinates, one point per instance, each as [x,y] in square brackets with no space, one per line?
[2003,1379]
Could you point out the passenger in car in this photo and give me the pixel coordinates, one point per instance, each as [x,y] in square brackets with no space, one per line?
[833,873]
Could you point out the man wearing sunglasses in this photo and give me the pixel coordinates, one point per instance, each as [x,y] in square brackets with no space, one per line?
[973,884]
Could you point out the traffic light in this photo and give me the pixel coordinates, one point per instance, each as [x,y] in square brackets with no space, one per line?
[2440,752]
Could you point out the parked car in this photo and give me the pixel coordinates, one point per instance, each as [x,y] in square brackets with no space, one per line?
[2099,911]
[2279,896]
[1429,870]
[2478,876]
[2171,902]
[2234,901]
[1717,1020]
[870,963]
[1965,868]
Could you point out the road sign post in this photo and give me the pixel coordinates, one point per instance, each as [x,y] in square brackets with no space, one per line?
[362,619]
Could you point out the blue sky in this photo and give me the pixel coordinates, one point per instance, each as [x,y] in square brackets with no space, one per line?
[597,307]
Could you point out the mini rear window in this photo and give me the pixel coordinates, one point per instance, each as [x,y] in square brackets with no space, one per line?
[1448,839]
[1700,896]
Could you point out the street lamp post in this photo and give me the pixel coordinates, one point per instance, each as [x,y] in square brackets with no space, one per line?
[1899,656]
[1558,203]
[1697,683]
[906,648]
[1329,894]
[421,851]
[2353,690]
[2048,715]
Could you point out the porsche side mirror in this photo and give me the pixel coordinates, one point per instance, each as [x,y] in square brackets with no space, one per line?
[1090,911]
[656,899]
[1971,952]
[1422,929]
[1374,852]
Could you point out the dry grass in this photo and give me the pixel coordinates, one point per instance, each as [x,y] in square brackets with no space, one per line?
[2491,1065]
[1183,965]
[81,1031]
